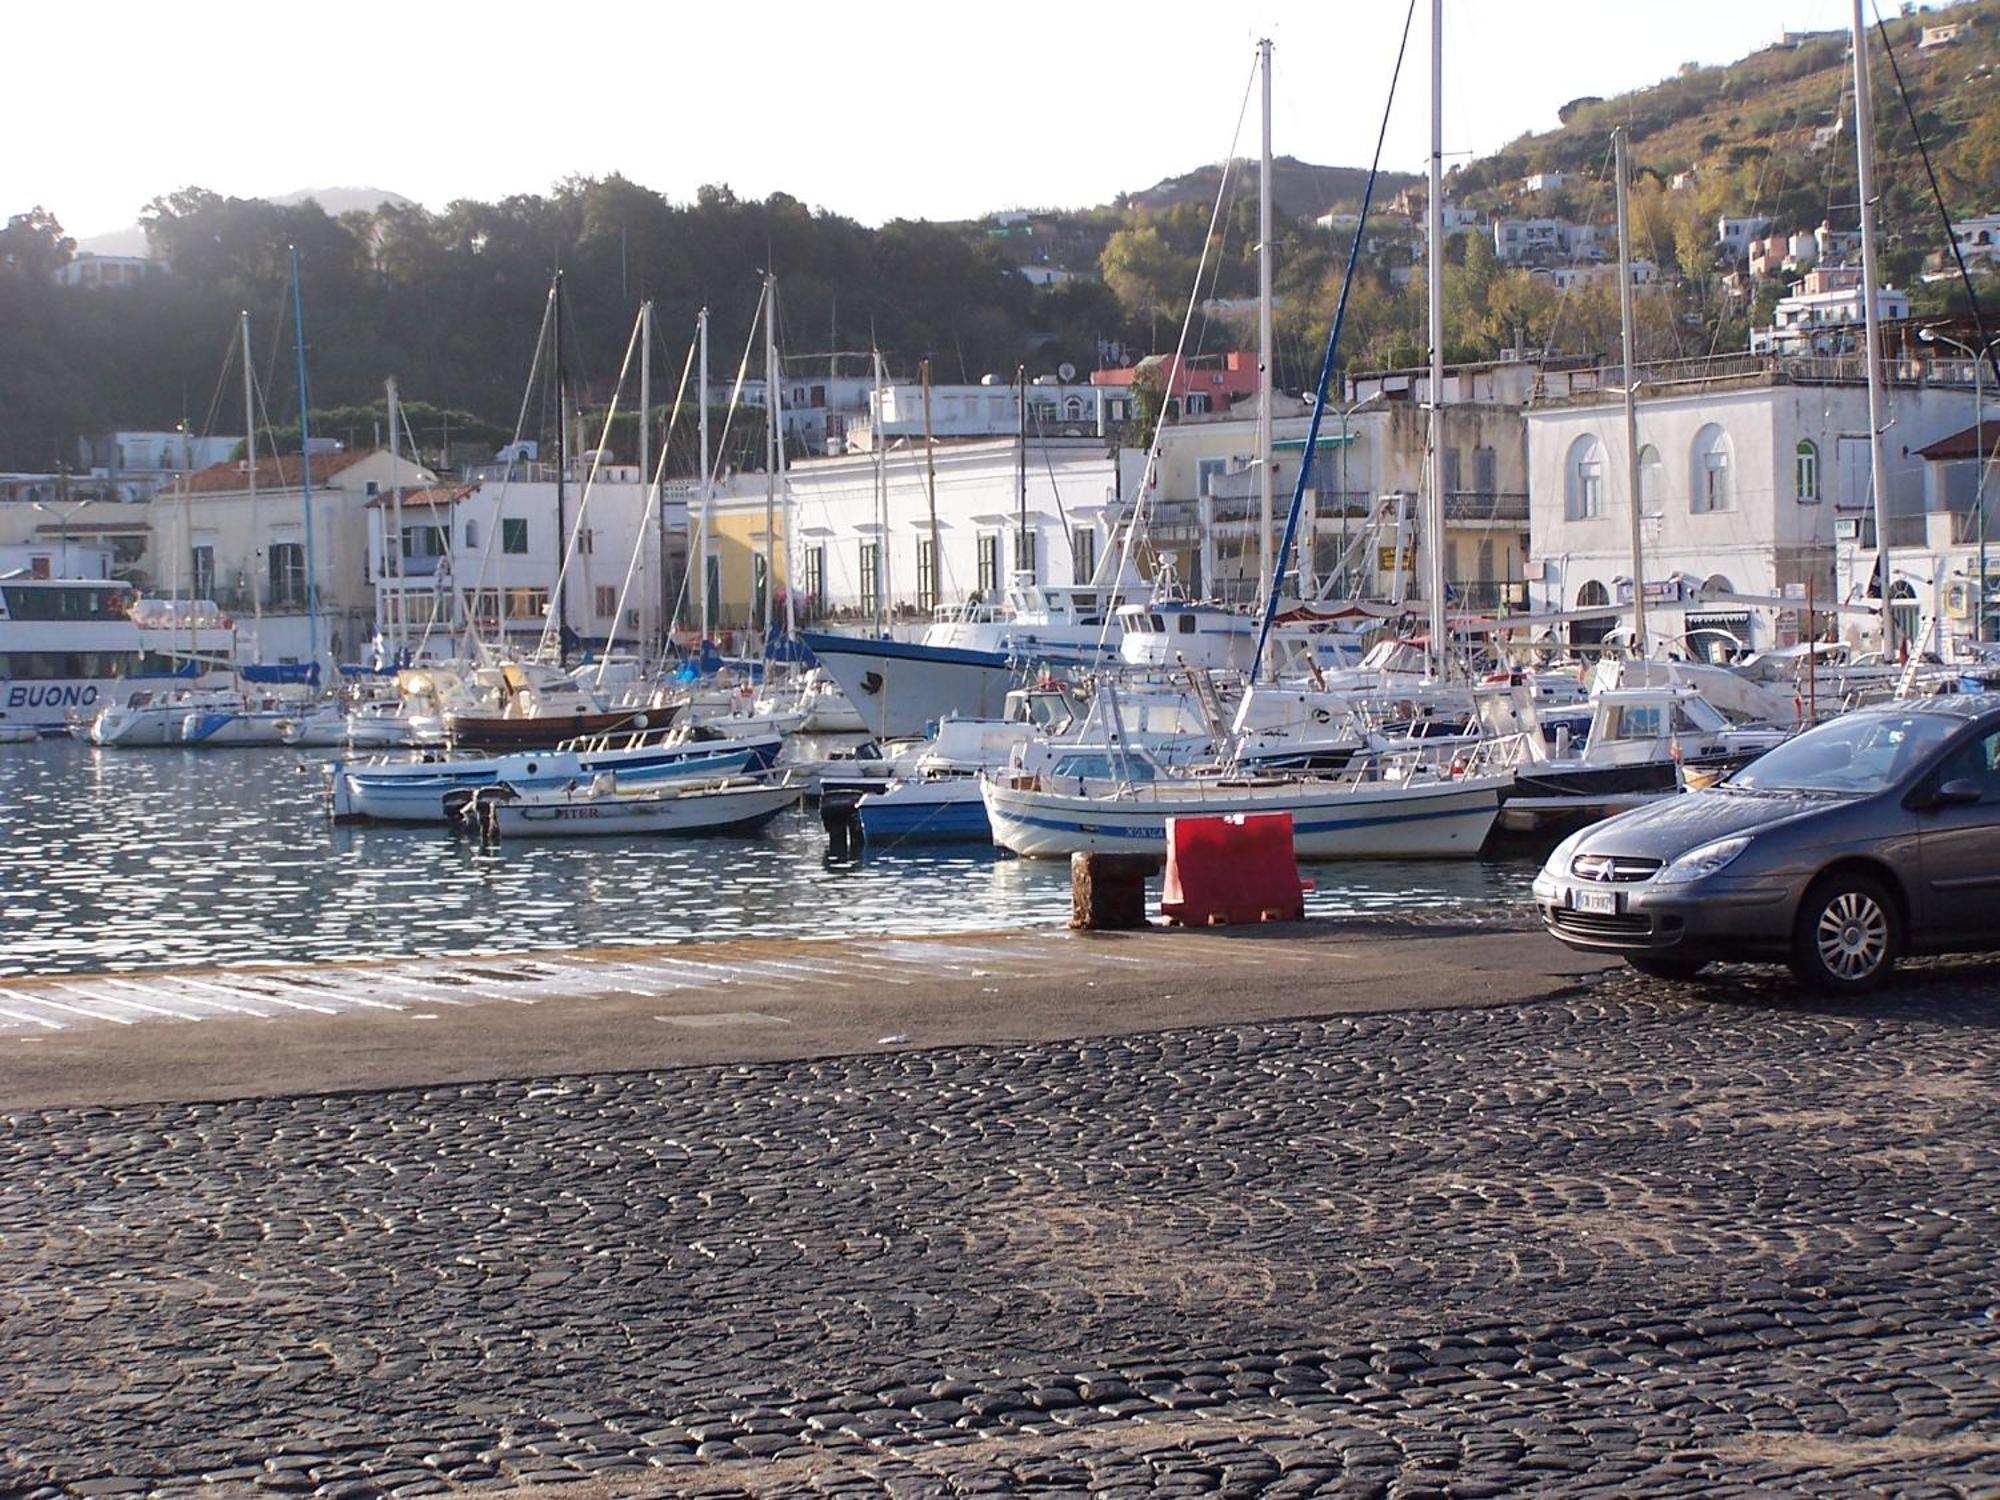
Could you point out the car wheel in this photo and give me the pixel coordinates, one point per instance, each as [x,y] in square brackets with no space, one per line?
[1665,968]
[1848,937]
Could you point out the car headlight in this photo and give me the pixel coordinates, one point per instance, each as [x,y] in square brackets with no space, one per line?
[1557,864]
[1702,861]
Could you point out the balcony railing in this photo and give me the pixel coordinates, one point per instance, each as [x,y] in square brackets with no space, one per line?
[1492,505]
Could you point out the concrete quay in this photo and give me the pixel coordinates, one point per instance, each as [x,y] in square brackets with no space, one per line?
[1390,1211]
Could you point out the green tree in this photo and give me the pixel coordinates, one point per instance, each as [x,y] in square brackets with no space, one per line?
[33,245]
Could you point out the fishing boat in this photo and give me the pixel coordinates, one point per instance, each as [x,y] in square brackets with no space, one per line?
[605,807]
[537,707]
[1118,802]
[432,790]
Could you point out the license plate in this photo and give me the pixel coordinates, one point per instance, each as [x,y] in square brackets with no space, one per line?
[1603,902]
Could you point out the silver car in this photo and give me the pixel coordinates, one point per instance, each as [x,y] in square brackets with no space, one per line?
[1870,837]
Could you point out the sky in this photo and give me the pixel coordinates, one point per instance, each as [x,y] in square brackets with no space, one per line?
[918,110]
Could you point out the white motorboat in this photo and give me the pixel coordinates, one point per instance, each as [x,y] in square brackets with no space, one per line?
[826,708]
[605,808]
[1106,801]
[17,734]
[432,790]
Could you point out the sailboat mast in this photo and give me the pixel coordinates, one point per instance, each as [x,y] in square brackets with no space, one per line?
[305,461]
[881,505]
[1434,286]
[930,492]
[1265,582]
[1021,465]
[700,563]
[562,469]
[646,472]
[1864,140]
[1631,384]
[250,472]
[774,444]
[392,554]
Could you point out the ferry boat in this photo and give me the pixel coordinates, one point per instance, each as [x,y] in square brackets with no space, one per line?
[71,647]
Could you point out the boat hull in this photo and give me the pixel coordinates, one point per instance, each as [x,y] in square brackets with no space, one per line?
[691,814]
[1424,820]
[947,811]
[897,689]
[545,732]
[429,791]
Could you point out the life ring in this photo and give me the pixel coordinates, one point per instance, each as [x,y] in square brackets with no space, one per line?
[1322,716]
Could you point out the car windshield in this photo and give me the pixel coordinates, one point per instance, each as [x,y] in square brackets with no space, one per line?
[1857,755]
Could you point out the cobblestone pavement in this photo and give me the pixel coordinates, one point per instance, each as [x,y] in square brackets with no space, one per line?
[1636,1240]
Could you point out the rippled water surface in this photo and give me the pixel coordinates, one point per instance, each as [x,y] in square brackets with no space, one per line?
[116,859]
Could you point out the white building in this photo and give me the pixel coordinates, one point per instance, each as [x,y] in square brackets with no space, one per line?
[1544,182]
[217,539]
[1001,507]
[1824,314]
[488,553]
[137,464]
[1053,408]
[102,272]
[1735,235]
[1518,240]
[1978,238]
[1752,485]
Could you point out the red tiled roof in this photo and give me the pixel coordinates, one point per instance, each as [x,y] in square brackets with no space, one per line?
[1965,444]
[281,473]
[436,494]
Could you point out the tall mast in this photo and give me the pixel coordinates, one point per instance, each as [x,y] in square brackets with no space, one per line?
[1434,287]
[305,461]
[562,495]
[1264,373]
[774,445]
[1021,465]
[930,491]
[700,564]
[646,471]
[256,530]
[1631,384]
[881,507]
[392,560]
[1864,139]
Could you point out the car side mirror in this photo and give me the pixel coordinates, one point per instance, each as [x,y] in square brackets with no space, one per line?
[1960,791]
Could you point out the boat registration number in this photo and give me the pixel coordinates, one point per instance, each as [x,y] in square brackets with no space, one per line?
[1603,902]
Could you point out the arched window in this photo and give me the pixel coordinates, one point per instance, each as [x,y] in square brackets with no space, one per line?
[1592,595]
[1909,619]
[1583,487]
[1708,473]
[1717,584]
[1073,409]
[1805,473]
[1652,482]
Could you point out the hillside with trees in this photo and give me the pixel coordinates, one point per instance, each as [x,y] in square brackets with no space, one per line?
[450,301]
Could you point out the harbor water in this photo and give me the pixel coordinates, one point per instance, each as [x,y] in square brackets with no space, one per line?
[135,859]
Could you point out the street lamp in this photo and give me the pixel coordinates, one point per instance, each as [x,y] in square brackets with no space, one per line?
[1981,457]
[62,530]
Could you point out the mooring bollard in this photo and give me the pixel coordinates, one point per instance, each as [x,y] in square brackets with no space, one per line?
[1107,892]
